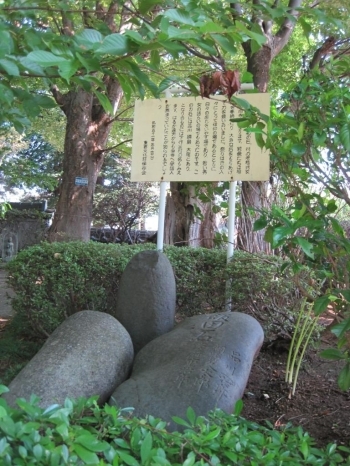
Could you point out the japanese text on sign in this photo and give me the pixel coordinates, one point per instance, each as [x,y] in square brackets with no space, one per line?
[193,139]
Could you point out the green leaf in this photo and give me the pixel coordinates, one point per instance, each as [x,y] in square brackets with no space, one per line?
[160,461]
[180,421]
[87,456]
[306,246]
[332,353]
[298,149]
[280,234]
[239,120]
[114,44]
[38,451]
[225,43]
[90,64]
[105,102]
[190,460]
[337,227]
[346,294]
[344,378]
[246,77]
[181,34]
[210,27]
[91,443]
[146,447]
[22,451]
[68,68]
[191,415]
[136,37]
[168,82]
[241,102]
[44,101]
[3,389]
[344,135]
[128,459]
[238,407]
[155,59]
[301,131]
[9,66]
[43,58]
[3,412]
[213,434]
[146,5]
[268,237]
[305,26]
[320,304]
[127,86]
[332,206]
[341,328]
[90,35]
[260,223]
[180,16]
[31,66]
[259,140]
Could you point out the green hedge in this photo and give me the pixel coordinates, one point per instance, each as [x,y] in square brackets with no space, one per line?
[53,281]
[82,433]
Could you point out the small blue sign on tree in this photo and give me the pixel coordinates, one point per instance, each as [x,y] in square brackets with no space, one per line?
[79,181]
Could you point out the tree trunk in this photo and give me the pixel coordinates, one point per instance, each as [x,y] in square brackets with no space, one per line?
[87,130]
[182,227]
[255,194]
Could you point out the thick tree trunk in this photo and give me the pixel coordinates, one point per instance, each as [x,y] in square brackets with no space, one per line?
[87,131]
[255,195]
[182,228]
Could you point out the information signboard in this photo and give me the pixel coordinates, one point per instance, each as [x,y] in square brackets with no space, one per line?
[193,139]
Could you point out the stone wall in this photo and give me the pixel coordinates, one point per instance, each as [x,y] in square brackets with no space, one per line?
[20,229]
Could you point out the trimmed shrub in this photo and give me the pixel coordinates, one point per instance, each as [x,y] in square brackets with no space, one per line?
[80,432]
[53,281]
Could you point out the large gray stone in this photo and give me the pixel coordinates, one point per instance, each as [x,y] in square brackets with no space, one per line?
[147,297]
[90,353]
[203,363]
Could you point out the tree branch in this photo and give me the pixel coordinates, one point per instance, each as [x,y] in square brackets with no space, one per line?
[218,60]
[321,52]
[67,25]
[61,100]
[237,10]
[282,36]
[102,151]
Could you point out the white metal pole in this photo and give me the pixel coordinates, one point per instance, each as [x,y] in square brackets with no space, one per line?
[161,216]
[231,235]
[231,219]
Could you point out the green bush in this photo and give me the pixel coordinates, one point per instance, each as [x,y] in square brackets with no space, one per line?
[53,281]
[81,432]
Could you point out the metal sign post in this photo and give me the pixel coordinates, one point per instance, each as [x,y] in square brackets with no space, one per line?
[194,139]
[233,184]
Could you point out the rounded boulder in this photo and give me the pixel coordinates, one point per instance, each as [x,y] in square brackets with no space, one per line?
[90,353]
[147,297]
[204,363]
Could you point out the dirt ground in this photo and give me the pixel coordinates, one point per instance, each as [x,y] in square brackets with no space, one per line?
[318,405]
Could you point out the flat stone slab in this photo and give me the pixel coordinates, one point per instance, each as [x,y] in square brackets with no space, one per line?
[147,297]
[204,363]
[90,353]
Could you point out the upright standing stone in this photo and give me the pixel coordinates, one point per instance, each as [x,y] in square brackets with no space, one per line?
[90,353]
[147,297]
[203,363]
